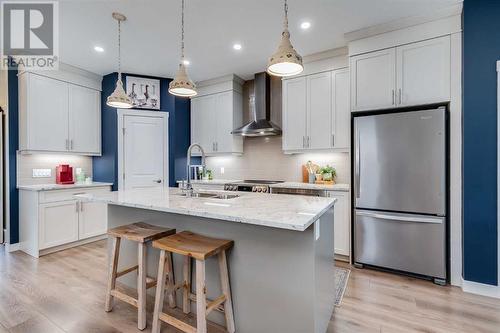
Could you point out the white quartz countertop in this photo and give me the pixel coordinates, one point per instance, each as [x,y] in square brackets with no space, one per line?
[48,187]
[292,212]
[334,187]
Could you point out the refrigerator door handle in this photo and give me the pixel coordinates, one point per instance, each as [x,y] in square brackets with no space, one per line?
[357,170]
[404,218]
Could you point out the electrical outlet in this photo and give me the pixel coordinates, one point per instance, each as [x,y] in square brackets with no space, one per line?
[42,173]
[221,170]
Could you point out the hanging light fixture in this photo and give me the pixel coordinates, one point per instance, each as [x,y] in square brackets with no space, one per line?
[285,61]
[119,99]
[182,85]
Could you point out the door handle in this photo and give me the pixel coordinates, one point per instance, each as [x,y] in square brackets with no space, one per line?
[357,164]
[393,98]
[158,181]
[67,144]
[71,144]
[333,140]
[404,218]
[400,96]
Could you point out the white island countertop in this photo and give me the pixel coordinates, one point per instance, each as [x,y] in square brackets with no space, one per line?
[292,212]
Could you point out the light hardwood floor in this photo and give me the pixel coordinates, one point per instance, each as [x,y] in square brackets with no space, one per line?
[64,292]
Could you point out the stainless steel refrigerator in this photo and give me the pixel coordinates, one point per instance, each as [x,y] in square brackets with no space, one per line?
[400,192]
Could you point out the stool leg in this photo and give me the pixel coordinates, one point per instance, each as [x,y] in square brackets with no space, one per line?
[160,293]
[186,302]
[170,280]
[201,300]
[113,268]
[141,287]
[226,290]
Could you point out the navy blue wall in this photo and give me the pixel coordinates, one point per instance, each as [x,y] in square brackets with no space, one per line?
[105,167]
[13,147]
[481,51]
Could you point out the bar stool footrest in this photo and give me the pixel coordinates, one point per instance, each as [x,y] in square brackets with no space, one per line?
[219,307]
[124,297]
[179,324]
[127,270]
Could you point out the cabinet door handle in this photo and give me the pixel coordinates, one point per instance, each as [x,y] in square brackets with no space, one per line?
[393,98]
[333,140]
[303,141]
[67,144]
[308,141]
[81,206]
[216,146]
[76,206]
[71,144]
[400,96]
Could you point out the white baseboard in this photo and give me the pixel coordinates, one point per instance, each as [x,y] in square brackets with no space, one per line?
[481,289]
[13,247]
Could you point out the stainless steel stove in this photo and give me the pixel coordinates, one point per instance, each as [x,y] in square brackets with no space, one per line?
[251,185]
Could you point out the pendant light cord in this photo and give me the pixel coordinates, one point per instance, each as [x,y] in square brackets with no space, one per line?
[182,32]
[119,51]
[285,23]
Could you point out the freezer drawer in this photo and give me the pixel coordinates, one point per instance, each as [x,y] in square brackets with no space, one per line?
[400,162]
[404,242]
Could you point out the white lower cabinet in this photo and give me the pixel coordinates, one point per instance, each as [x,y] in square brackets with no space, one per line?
[342,228]
[50,220]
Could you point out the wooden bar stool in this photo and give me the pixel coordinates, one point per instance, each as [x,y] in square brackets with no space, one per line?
[200,248]
[142,233]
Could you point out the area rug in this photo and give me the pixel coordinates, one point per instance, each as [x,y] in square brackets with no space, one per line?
[341,279]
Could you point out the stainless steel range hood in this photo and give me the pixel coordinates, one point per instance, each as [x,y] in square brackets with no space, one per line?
[260,108]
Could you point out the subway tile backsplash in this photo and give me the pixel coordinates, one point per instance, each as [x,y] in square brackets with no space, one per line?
[263,158]
[27,162]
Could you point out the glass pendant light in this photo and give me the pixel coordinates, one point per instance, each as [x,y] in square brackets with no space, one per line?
[119,99]
[182,85]
[285,61]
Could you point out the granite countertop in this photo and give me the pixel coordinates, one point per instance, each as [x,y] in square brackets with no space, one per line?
[48,187]
[334,187]
[292,212]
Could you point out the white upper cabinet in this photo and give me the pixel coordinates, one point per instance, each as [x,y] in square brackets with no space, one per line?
[319,115]
[45,118]
[316,113]
[341,112]
[423,72]
[84,120]
[58,116]
[373,80]
[294,113]
[215,113]
[408,75]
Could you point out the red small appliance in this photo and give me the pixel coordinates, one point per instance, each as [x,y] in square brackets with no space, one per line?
[64,174]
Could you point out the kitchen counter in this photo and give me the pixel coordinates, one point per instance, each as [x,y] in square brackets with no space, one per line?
[334,187]
[48,187]
[282,254]
[213,181]
[269,210]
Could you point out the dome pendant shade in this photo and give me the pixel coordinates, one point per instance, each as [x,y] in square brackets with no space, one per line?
[119,99]
[182,86]
[285,61]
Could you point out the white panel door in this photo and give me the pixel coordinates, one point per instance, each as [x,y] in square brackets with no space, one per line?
[423,72]
[341,112]
[373,80]
[144,149]
[204,122]
[58,223]
[84,120]
[342,226]
[294,113]
[224,111]
[48,114]
[93,219]
[319,111]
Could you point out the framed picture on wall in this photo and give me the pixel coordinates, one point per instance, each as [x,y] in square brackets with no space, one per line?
[144,92]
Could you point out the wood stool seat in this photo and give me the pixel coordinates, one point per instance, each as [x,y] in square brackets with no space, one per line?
[142,234]
[192,245]
[198,247]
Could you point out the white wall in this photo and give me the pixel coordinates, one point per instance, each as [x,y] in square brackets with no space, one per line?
[263,158]
[27,162]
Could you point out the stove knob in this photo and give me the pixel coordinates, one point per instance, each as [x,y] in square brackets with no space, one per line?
[233,188]
[259,189]
[264,189]
[254,189]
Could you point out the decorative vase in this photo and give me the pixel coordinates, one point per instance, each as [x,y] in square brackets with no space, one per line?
[327,176]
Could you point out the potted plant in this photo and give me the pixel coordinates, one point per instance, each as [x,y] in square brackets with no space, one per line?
[329,173]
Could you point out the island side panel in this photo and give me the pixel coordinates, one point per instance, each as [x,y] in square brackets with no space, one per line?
[324,271]
[272,271]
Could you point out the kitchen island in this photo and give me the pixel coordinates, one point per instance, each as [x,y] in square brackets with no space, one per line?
[281,266]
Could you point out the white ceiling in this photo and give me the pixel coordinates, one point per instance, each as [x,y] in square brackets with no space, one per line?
[151,35]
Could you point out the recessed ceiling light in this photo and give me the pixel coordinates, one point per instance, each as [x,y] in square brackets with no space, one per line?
[98,49]
[237,46]
[305,25]
[186,62]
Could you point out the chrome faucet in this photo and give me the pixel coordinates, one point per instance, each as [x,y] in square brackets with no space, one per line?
[188,187]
